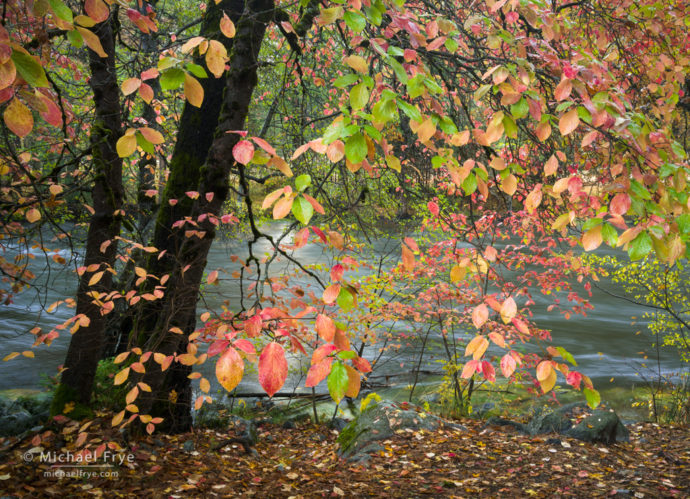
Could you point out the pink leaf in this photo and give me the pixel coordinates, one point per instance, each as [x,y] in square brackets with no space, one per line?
[243,152]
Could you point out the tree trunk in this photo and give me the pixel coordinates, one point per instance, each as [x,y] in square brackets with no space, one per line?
[101,247]
[186,258]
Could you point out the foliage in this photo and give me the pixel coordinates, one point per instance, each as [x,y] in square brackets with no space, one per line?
[502,132]
[663,290]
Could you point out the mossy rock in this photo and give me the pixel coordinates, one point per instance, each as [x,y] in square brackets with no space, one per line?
[381,420]
[602,426]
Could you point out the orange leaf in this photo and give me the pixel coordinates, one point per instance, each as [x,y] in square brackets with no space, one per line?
[480,314]
[330,294]
[97,10]
[508,365]
[551,166]
[469,369]
[563,90]
[271,198]
[18,118]
[230,369]
[130,85]
[477,347]
[543,131]
[283,207]
[509,184]
[318,372]
[498,339]
[569,122]
[216,55]
[273,368]
[92,41]
[407,259]
[33,215]
[426,130]
[227,27]
[354,382]
[325,327]
[592,239]
[281,165]
[121,377]
[151,135]
[193,91]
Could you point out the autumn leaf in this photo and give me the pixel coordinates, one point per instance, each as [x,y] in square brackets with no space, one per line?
[477,347]
[18,118]
[230,369]
[407,259]
[92,41]
[97,10]
[227,27]
[243,152]
[357,63]
[330,294]
[193,91]
[318,372]
[569,122]
[508,310]
[216,56]
[325,327]
[273,368]
[480,314]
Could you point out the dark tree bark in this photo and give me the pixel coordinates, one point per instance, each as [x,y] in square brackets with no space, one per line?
[185,258]
[101,247]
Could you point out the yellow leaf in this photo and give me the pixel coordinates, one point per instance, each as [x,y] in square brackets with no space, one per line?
[477,347]
[426,130]
[393,163]
[11,356]
[18,118]
[118,418]
[216,55]
[204,385]
[95,278]
[92,41]
[549,382]
[357,63]
[121,377]
[193,91]
[126,145]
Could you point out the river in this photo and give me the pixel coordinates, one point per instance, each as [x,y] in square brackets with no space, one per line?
[604,343]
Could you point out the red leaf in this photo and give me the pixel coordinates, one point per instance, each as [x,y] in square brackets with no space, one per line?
[245,345]
[508,365]
[217,347]
[322,352]
[620,204]
[318,372]
[488,371]
[469,369]
[273,368]
[337,272]
[253,326]
[243,152]
[433,208]
[361,364]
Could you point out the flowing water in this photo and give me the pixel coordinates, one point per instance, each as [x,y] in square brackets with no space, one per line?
[604,343]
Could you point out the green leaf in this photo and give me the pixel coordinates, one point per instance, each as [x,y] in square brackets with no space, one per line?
[592,396]
[302,182]
[640,246]
[400,72]
[337,381]
[373,15]
[197,70]
[347,354]
[145,144]
[566,355]
[29,69]
[356,148]
[683,222]
[346,80]
[609,235]
[470,184]
[385,110]
[302,210]
[333,132]
[345,299]
[510,126]
[519,109]
[410,110]
[359,96]
[355,21]
[591,223]
[61,10]
[171,78]
[75,38]
[639,190]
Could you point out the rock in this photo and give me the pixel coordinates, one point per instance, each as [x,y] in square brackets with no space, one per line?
[289,425]
[379,421]
[16,422]
[245,429]
[601,426]
[188,446]
[338,424]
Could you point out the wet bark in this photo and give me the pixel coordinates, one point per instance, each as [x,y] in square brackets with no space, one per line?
[101,247]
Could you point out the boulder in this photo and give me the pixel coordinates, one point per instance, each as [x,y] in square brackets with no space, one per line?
[381,420]
[601,426]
